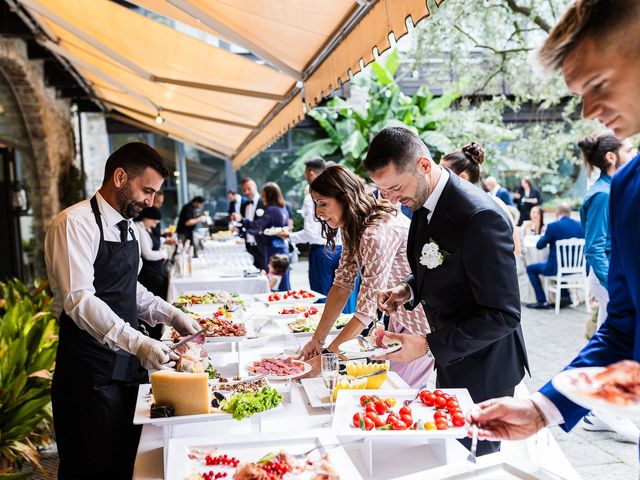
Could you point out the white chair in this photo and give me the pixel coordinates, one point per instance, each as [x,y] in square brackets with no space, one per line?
[572,270]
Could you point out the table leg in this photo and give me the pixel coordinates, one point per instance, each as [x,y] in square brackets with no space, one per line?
[167,430]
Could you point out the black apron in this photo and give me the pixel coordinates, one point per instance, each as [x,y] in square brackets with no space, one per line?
[94,388]
[153,276]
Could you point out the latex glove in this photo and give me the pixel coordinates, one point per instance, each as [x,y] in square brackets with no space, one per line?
[184,323]
[155,355]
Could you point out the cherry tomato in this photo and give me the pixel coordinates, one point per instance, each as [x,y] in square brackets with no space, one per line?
[442,424]
[424,392]
[391,402]
[438,393]
[404,411]
[392,418]
[440,414]
[356,419]
[406,419]
[452,403]
[453,411]
[375,418]
[380,407]
[430,426]
[399,425]
[440,402]
[369,424]
[370,407]
[457,420]
[364,399]
[429,399]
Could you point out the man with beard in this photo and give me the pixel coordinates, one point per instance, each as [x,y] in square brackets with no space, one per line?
[93,261]
[463,272]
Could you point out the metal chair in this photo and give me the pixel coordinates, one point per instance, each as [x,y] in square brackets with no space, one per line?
[572,270]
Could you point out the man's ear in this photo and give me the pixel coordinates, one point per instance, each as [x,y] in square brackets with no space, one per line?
[424,165]
[119,177]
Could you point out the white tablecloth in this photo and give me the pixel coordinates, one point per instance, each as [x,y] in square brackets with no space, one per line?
[206,280]
[530,255]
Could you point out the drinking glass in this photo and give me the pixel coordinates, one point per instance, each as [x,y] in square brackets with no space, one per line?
[330,369]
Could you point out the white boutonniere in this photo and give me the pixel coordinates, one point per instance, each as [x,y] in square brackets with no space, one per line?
[432,256]
[259,212]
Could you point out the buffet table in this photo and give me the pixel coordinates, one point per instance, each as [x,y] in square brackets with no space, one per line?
[391,458]
[210,279]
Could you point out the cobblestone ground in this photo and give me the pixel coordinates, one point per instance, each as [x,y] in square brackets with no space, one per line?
[552,341]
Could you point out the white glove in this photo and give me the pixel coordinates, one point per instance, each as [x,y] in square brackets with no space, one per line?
[154,355]
[183,323]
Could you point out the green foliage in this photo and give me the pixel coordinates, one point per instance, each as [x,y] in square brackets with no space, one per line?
[28,344]
[350,128]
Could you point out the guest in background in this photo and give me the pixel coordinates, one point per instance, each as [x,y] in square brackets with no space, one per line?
[189,218]
[274,215]
[526,197]
[562,229]
[251,205]
[235,202]
[278,267]
[466,164]
[535,224]
[153,274]
[497,190]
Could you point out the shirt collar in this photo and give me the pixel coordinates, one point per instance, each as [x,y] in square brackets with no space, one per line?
[432,200]
[110,215]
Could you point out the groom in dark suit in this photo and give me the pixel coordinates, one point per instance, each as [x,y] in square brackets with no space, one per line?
[460,250]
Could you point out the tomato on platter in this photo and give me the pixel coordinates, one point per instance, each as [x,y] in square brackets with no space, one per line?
[398,425]
[452,403]
[428,399]
[458,420]
[390,401]
[392,418]
[375,418]
[380,407]
[404,411]
[440,402]
[369,424]
[406,419]
[440,414]
[442,424]
[430,426]
[370,407]
[356,419]
[438,393]
[364,399]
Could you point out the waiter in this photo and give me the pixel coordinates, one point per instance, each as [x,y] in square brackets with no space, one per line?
[250,209]
[93,260]
[189,218]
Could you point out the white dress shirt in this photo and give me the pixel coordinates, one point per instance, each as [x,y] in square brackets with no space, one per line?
[548,409]
[312,231]
[71,247]
[249,214]
[146,244]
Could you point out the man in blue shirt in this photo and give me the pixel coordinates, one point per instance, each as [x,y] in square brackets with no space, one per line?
[497,190]
[563,229]
[596,46]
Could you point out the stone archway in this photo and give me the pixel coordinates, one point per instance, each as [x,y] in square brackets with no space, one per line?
[49,134]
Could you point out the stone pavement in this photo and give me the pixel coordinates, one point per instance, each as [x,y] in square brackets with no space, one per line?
[552,341]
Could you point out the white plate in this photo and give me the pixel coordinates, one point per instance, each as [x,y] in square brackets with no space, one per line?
[569,385]
[348,403]
[273,231]
[142,414]
[274,309]
[352,350]
[248,449]
[264,298]
[166,336]
[318,393]
[307,369]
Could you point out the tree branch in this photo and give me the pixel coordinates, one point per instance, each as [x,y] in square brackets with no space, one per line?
[495,50]
[527,12]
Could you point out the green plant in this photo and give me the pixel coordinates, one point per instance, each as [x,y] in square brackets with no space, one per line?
[350,129]
[28,343]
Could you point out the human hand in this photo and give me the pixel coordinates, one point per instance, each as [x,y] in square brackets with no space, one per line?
[390,299]
[315,367]
[283,234]
[184,323]
[155,355]
[506,418]
[413,347]
[235,217]
[313,348]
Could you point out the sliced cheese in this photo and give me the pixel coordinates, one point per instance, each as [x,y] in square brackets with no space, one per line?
[187,393]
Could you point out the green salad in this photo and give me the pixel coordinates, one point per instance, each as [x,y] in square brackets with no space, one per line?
[243,405]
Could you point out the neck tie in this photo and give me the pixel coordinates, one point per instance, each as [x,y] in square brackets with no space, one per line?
[122,226]
[423,213]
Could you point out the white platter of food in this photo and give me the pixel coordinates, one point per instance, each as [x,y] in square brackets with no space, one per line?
[305,326]
[291,311]
[246,458]
[353,349]
[289,297]
[426,420]
[278,368]
[614,390]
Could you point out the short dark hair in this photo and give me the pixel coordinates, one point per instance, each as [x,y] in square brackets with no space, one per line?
[273,195]
[396,145]
[246,180]
[280,263]
[134,158]
[152,213]
[197,199]
[232,192]
[317,164]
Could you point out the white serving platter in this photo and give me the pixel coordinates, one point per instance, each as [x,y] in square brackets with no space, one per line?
[307,369]
[352,350]
[251,449]
[348,403]
[569,384]
[274,311]
[264,298]
[166,336]
[318,393]
[142,414]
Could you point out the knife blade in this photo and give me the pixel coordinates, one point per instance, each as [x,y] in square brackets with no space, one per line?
[187,339]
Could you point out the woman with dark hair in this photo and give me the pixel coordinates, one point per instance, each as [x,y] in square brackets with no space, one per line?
[526,197]
[374,243]
[274,215]
[466,164]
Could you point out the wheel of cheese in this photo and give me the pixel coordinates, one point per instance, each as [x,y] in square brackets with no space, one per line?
[187,393]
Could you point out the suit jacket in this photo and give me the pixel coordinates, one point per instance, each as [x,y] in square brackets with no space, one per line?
[503,194]
[472,300]
[243,209]
[617,339]
[273,216]
[563,229]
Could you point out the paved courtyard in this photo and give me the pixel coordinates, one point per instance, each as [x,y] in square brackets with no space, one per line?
[552,340]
